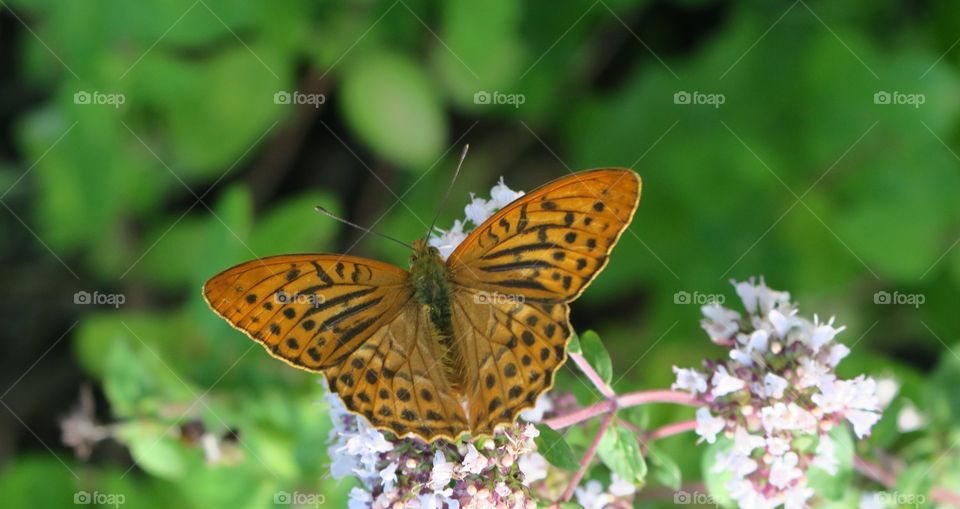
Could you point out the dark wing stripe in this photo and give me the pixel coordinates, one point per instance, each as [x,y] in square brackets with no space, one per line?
[528,264]
[518,250]
[338,300]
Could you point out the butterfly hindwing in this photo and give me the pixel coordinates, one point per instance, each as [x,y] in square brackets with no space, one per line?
[550,243]
[511,349]
[397,381]
[309,310]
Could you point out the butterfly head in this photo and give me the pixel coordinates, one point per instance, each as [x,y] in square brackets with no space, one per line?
[424,254]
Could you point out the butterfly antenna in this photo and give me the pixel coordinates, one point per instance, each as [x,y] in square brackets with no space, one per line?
[331,215]
[463,155]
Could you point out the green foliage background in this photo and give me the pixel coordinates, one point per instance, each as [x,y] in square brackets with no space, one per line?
[799,175]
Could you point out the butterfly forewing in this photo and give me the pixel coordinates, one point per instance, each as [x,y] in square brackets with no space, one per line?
[514,276]
[309,310]
[550,243]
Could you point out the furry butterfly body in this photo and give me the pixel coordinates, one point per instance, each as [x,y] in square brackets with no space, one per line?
[449,347]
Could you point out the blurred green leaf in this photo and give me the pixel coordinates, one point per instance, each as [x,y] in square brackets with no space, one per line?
[620,452]
[393,106]
[833,486]
[154,449]
[663,468]
[714,479]
[597,355]
[555,449]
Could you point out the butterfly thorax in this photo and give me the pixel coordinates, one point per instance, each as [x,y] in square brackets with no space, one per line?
[430,278]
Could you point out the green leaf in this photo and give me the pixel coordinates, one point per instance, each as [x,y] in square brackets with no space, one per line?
[391,104]
[833,486]
[620,452]
[573,346]
[914,484]
[663,468]
[555,449]
[153,450]
[716,481]
[597,355]
[294,227]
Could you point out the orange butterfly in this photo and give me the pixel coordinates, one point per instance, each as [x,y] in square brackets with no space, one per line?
[448,347]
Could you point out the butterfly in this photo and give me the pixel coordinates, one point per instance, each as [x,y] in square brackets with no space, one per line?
[448,347]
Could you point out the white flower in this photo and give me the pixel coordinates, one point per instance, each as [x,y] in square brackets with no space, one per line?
[501,195]
[777,446]
[781,324]
[447,241]
[719,322]
[708,426]
[910,419]
[542,406]
[814,374]
[785,417]
[724,383]
[774,386]
[479,210]
[502,489]
[474,462]
[359,499]
[441,474]
[823,333]
[887,388]
[748,294]
[826,458]
[797,496]
[388,475]
[533,466]
[862,421]
[592,496]
[837,353]
[784,470]
[621,487]
[689,380]
[744,443]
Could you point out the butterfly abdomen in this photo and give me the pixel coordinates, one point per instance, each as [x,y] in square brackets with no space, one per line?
[432,288]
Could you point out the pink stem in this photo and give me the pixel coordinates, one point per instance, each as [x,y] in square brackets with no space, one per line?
[671,429]
[889,480]
[627,400]
[588,457]
[592,374]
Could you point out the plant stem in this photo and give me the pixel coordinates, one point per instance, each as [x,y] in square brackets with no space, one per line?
[671,429]
[592,374]
[588,457]
[627,400]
